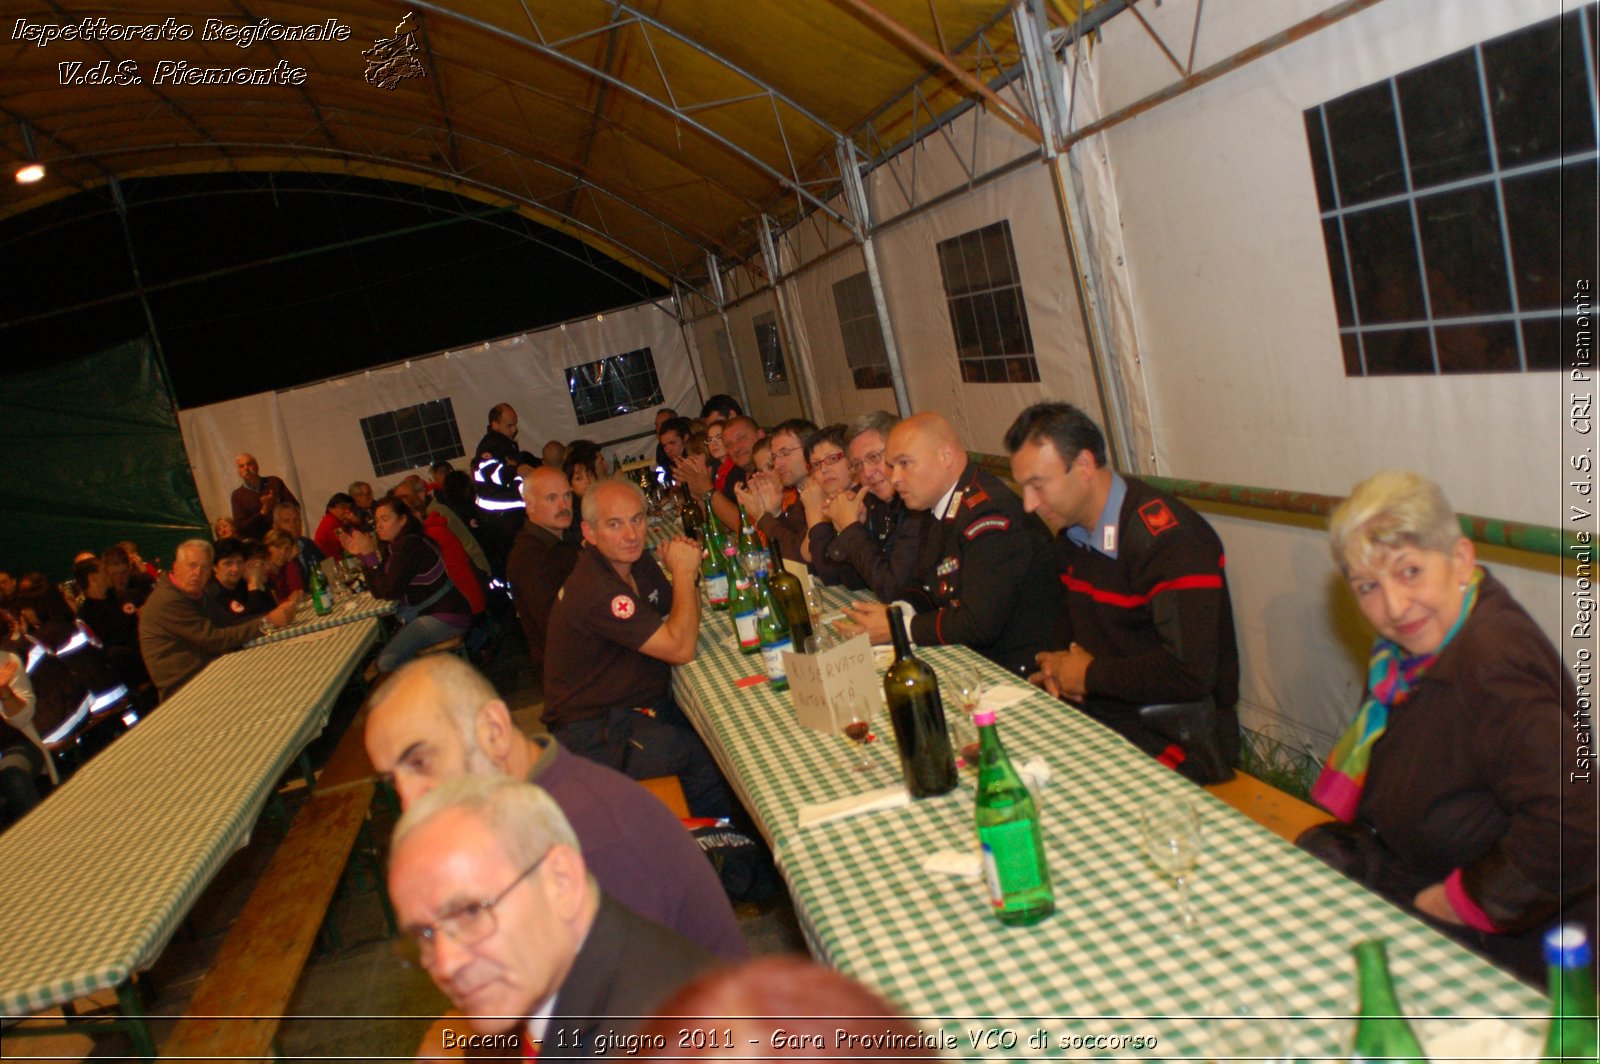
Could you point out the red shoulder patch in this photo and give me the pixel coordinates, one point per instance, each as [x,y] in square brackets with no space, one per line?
[622,607]
[1157,517]
[488,454]
[975,497]
[236,606]
[129,608]
[997,523]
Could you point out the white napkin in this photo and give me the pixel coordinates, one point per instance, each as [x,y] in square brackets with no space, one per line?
[1484,1038]
[1002,695]
[871,802]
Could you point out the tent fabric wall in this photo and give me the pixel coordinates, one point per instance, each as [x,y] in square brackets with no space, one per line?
[982,412]
[95,457]
[1234,330]
[319,425]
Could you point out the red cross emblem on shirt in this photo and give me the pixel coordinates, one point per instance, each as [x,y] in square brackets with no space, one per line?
[622,607]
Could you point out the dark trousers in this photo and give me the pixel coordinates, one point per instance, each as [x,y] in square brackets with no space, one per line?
[642,746]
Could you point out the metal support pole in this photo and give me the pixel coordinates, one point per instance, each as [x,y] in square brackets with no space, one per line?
[733,352]
[1044,84]
[691,350]
[810,401]
[133,266]
[856,200]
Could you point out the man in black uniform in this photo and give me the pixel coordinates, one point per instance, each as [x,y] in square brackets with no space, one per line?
[1145,619]
[983,579]
[542,557]
[616,630]
[499,489]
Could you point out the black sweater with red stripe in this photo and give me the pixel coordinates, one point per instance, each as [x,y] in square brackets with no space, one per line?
[1157,617]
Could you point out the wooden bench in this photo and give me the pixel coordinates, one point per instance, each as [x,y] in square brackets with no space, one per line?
[236,1010]
[1282,813]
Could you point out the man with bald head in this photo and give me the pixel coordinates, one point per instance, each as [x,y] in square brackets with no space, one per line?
[438,719]
[256,498]
[984,578]
[616,630]
[542,556]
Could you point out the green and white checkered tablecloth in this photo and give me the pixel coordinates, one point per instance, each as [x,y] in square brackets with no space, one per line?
[99,876]
[1277,924]
[351,608]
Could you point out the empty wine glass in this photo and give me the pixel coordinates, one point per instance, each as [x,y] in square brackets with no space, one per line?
[814,603]
[1170,827]
[852,713]
[966,679]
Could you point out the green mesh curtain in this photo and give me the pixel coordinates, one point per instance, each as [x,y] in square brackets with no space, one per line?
[90,454]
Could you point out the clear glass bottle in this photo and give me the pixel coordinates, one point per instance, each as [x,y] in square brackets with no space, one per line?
[713,569]
[1008,830]
[917,714]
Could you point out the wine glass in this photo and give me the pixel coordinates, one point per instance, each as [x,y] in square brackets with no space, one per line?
[814,603]
[967,681]
[1170,827]
[852,714]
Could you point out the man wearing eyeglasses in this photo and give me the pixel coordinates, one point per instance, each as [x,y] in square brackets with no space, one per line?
[491,892]
[773,499]
[869,538]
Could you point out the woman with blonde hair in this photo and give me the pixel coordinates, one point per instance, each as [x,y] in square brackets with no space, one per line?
[1451,786]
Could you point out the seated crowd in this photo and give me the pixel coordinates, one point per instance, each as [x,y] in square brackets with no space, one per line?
[1105,591]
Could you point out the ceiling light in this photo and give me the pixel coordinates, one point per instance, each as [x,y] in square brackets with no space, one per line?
[27,175]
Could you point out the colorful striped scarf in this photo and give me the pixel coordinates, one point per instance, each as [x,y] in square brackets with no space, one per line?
[1392,675]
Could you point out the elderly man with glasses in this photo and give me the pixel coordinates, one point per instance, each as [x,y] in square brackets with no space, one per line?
[494,899]
[870,539]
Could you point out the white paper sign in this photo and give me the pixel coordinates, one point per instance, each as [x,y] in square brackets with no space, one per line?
[817,681]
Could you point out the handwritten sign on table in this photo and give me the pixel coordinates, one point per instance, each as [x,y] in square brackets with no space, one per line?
[817,681]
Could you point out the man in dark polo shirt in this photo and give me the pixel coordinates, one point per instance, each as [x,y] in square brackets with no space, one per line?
[542,556]
[615,632]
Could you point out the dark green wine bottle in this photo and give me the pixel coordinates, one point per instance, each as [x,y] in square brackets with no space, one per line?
[917,714]
[1382,1033]
[791,598]
[742,605]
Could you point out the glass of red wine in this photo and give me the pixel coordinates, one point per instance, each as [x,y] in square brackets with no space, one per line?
[852,712]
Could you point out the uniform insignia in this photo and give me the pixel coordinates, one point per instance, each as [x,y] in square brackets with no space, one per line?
[488,454]
[622,607]
[654,596]
[1157,517]
[236,606]
[948,566]
[988,524]
[129,608]
[975,497]
[955,506]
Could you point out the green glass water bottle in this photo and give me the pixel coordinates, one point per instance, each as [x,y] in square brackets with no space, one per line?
[713,567]
[1572,1034]
[772,628]
[1008,829]
[1382,1033]
[742,605]
[321,599]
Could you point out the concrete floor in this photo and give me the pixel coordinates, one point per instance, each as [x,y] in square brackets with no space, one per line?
[354,1003]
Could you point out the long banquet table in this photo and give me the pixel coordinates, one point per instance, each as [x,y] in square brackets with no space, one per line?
[1277,925]
[100,875]
[306,619]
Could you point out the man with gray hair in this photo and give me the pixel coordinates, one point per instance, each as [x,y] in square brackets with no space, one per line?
[490,885]
[176,635]
[413,490]
[439,719]
[615,632]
